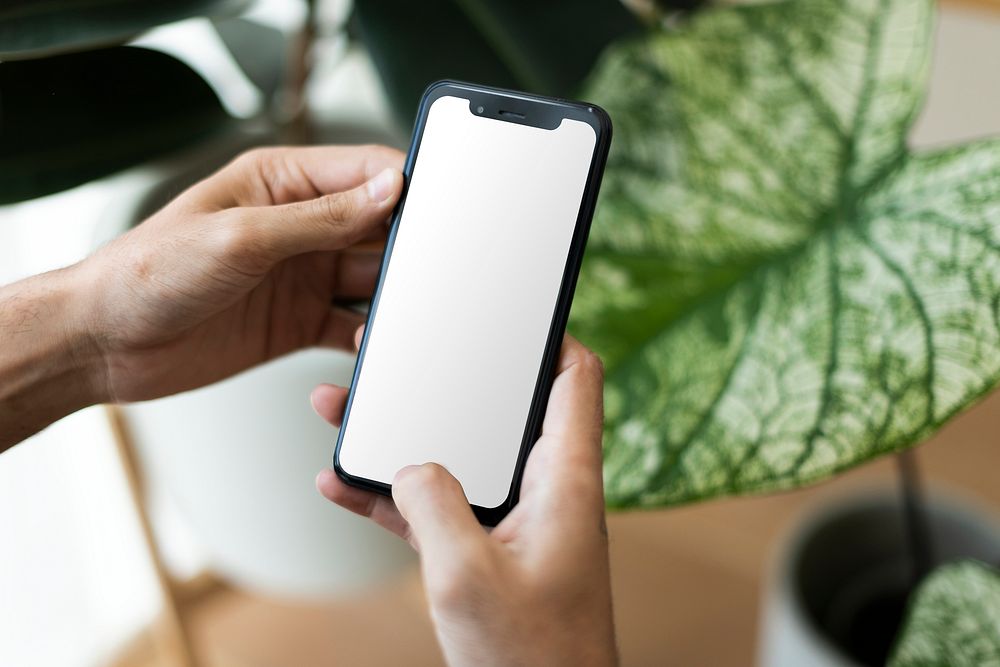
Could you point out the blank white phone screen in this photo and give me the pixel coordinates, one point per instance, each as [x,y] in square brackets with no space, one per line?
[470,290]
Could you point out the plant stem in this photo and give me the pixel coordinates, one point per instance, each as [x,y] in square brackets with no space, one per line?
[915,520]
[300,128]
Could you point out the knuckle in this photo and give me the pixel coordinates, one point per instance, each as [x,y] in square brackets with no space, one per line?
[233,236]
[593,364]
[139,261]
[337,209]
[267,166]
[252,159]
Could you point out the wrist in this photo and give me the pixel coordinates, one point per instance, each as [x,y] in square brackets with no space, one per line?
[75,290]
[49,360]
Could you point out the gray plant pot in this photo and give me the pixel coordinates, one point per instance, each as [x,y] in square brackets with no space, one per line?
[838,588]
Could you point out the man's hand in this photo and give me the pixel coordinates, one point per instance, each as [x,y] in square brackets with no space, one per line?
[242,268]
[239,269]
[536,590]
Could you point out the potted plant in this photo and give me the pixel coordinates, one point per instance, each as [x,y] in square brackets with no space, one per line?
[779,287]
[839,592]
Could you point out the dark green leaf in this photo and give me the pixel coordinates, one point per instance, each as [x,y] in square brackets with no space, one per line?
[37,28]
[68,119]
[549,46]
[543,47]
[779,289]
[953,620]
[416,43]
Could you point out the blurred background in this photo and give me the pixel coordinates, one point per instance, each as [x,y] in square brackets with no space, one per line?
[187,531]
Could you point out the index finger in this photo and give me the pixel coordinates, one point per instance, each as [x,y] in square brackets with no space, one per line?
[380,509]
[562,493]
[574,419]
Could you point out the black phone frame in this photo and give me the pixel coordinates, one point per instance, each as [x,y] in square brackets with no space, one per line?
[526,109]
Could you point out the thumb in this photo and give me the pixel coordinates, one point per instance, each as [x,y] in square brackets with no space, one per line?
[329,222]
[434,505]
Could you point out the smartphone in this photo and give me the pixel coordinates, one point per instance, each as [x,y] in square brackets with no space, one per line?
[467,319]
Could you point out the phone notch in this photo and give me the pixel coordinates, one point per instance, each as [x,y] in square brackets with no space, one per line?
[513,110]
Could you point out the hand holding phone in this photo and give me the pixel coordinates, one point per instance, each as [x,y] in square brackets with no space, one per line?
[536,590]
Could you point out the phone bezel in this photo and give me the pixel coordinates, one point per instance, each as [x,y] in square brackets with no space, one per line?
[538,111]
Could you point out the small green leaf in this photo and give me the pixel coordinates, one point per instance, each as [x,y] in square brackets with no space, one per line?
[953,620]
[778,288]
[39,28]
[69,119]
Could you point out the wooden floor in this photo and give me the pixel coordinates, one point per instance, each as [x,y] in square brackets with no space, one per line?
[687,582]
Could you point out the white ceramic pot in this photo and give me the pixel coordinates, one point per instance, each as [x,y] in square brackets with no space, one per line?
[840,582]
[239,459]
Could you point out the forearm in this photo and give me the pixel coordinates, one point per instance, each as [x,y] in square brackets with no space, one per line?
[49,366]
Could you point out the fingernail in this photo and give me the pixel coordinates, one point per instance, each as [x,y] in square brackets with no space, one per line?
[381,187]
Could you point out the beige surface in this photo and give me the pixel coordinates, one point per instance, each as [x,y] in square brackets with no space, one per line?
[687,581]
[980,4]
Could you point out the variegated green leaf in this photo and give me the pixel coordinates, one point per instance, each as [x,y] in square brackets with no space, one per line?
[779,289]
[953,620]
